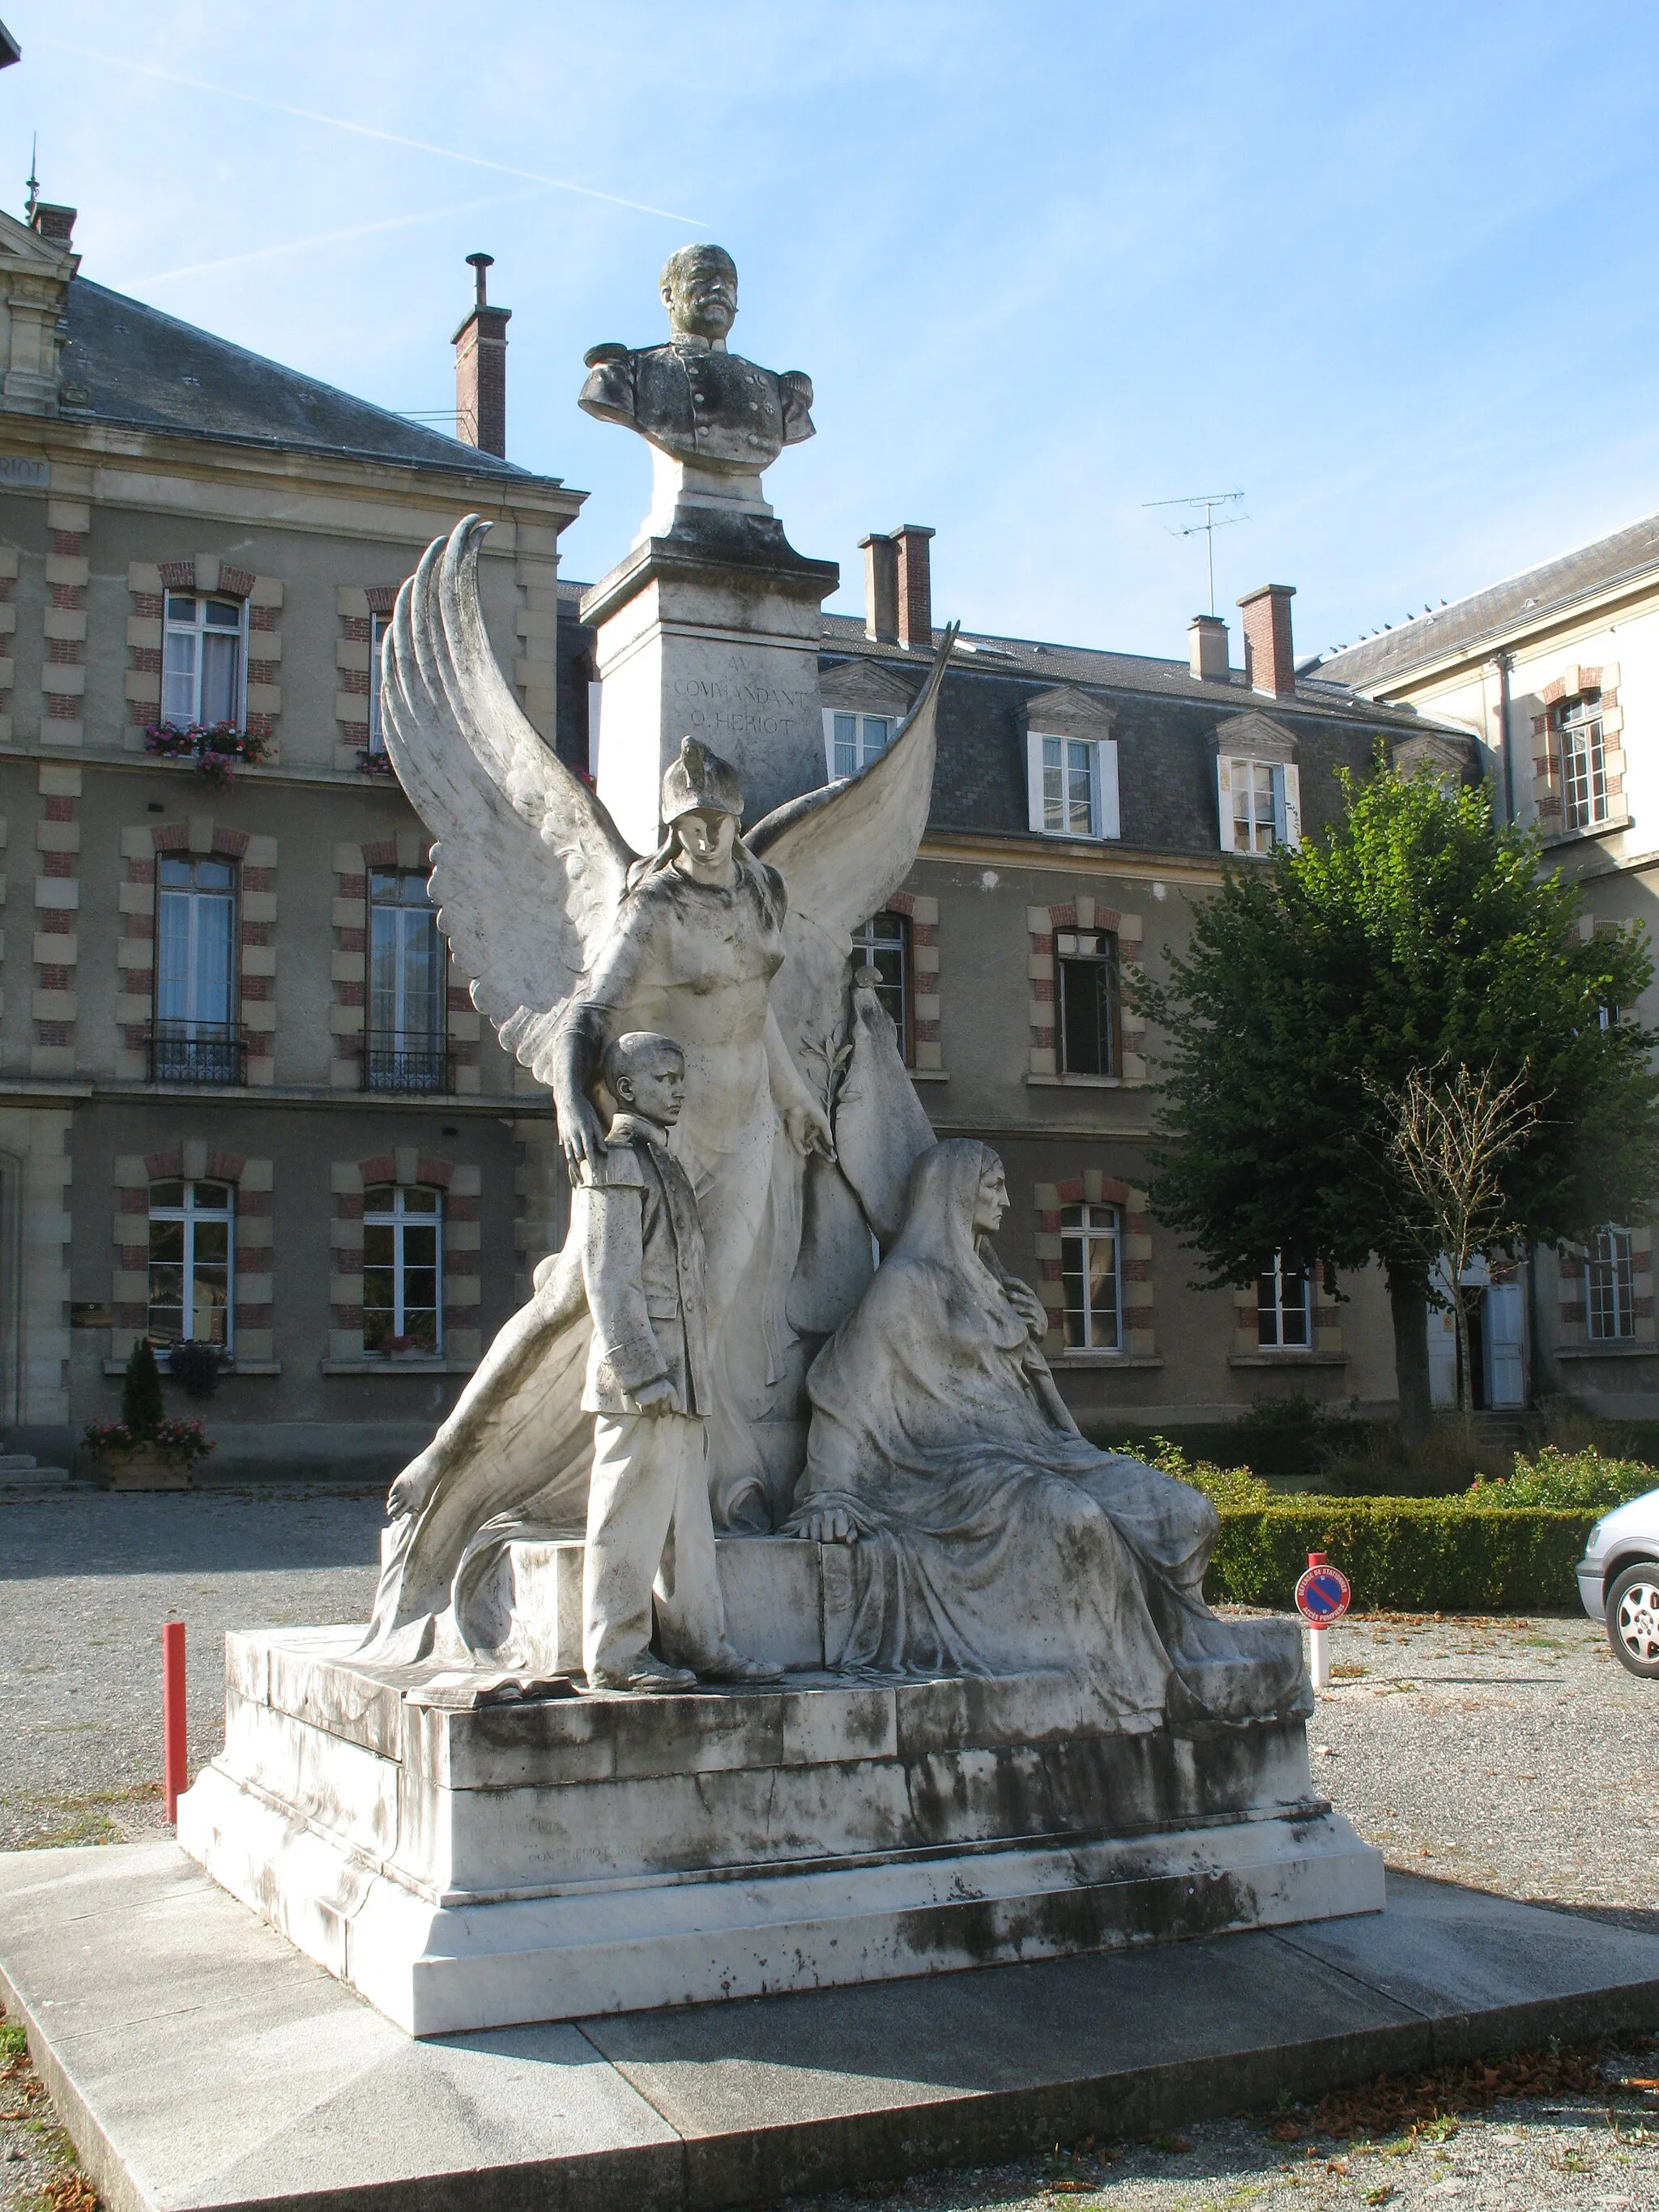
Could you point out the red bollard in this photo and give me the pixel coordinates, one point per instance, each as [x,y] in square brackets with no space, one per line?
[177,1781]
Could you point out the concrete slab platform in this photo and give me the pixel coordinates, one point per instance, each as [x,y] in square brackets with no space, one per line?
[200,2062]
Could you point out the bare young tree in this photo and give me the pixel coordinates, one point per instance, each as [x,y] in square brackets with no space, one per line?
[1451,1135]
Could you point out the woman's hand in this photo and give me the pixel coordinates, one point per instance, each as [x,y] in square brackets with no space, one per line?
[808,1127]
[1027,1305]
[828,1525]
[580,1139]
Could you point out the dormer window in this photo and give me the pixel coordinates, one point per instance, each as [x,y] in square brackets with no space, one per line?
[201,665]
[1071,784]
[853,741]
[1260,803]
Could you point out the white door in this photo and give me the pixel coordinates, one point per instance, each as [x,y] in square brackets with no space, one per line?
[1505,1317]
[1443,1356]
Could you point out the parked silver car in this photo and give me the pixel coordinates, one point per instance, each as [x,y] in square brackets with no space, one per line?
[1618,1582]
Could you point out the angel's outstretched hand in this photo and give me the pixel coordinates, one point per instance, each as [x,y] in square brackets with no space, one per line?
[580,1138]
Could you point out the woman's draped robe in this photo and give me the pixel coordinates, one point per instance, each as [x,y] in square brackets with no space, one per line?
[991,1538]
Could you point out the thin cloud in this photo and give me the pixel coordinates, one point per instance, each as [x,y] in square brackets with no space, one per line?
[338,237]
[367,131]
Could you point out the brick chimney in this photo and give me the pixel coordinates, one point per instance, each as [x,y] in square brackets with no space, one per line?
[1269,661]
[881,588]
[1206,645]
[915,587]
[481,370]
[55,224]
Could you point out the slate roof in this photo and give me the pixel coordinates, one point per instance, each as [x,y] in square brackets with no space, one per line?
[1164,722]
[1520,602]
[143,368]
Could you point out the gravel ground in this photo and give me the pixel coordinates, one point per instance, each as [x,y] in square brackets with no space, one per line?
[86,1580]
[1514,1755]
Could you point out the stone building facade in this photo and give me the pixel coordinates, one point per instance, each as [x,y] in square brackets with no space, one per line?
[1555,673]
[243,1099]
[208,1111]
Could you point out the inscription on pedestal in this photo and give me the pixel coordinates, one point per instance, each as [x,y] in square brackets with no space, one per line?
[744,702]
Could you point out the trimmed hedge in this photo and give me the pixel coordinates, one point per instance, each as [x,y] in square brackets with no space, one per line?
[1404,1554]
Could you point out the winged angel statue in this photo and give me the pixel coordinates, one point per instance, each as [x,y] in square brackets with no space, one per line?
[800,1125]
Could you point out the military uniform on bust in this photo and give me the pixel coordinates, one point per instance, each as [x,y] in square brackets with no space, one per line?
[691,398]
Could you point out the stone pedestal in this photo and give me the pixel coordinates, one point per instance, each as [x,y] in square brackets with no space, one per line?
[469,1864]
[710,630]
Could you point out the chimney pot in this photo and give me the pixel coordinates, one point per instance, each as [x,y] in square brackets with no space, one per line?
[1206,644]
[481,369]
[1269,655]
[881,588]
[55,224]
[915,587]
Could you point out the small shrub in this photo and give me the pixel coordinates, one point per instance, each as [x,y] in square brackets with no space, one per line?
[1581,1478]
[142,1407]
[1234,1488]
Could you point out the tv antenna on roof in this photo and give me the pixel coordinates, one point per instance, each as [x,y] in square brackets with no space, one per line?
[1209,500]
[32,180]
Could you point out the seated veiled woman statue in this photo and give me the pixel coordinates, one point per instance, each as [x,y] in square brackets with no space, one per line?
[990,1536]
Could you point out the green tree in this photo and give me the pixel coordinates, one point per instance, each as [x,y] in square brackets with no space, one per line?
[142,1407]
[1413,935]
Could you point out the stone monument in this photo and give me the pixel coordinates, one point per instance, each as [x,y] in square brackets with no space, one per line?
[710,627]
[1008,1726]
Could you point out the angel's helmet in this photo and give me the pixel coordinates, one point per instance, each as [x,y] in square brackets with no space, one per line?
[700,782]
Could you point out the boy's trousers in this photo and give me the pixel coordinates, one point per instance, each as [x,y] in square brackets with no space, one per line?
[649,1528]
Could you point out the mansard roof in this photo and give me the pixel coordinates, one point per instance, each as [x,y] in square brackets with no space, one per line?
[124,362]
[1518,604]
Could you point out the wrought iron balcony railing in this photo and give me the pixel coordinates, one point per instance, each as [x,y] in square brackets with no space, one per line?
[389,1064]
[198,1052]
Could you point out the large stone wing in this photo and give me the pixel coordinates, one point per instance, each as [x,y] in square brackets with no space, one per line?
[844,850]
[529,867]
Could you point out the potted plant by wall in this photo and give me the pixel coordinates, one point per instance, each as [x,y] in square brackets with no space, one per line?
[146,1449]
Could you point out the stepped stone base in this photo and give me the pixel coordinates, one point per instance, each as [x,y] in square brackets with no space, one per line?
[471,1864]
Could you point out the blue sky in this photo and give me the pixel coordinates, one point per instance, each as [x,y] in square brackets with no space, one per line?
[1390,272]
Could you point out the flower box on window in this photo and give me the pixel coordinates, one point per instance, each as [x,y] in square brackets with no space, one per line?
[215,749]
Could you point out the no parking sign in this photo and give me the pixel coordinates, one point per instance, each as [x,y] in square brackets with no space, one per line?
[1322,1593]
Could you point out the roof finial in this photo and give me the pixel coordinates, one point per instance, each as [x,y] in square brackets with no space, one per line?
[481,262]
[32,180]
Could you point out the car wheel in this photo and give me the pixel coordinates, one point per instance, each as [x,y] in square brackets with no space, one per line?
[1632,1616]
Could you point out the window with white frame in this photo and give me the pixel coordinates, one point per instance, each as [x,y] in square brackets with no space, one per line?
[378,626]
[1086,987]
[192,1227]
[852,741]
[1090,1273]
[1284,1306]
[1609,1302]
[202,661]
[883,943]
[1577,725]
[403,1269]
[406,978]
[196,1038]
[1071,784]
[1260,803]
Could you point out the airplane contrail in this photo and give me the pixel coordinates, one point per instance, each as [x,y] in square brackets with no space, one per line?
[337,237]
[368,131]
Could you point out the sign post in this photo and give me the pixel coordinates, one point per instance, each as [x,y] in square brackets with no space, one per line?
[173,1739]
[1322,1596]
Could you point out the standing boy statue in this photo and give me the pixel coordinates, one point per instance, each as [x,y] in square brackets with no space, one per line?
[649,1528]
